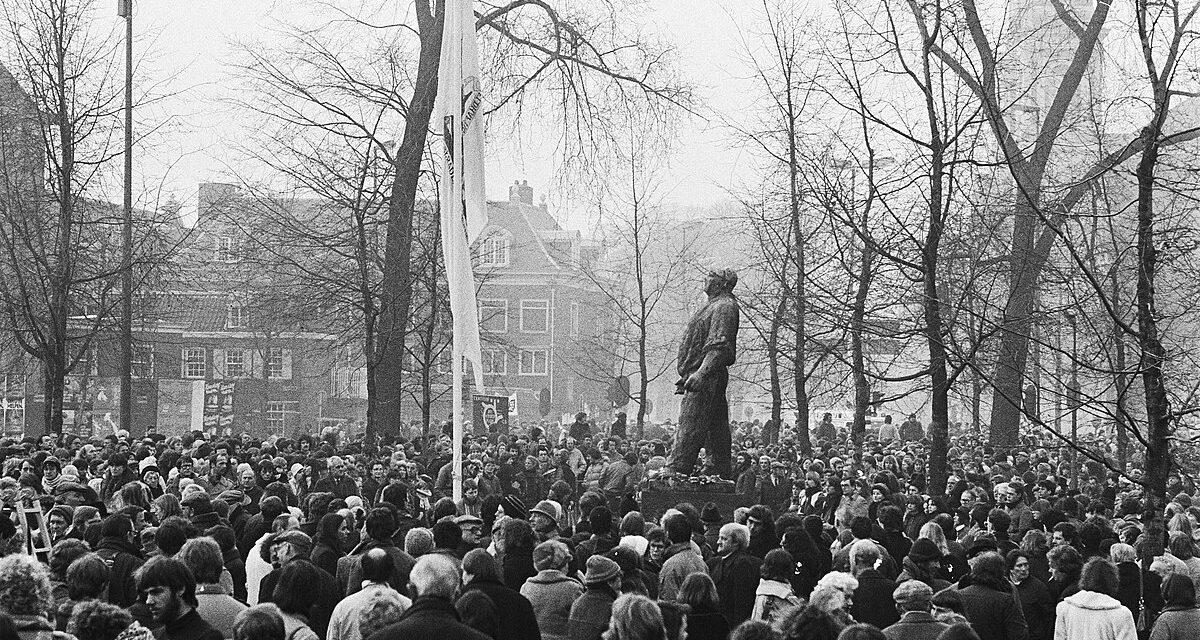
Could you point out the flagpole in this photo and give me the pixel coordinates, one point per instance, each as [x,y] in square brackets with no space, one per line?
[457,416]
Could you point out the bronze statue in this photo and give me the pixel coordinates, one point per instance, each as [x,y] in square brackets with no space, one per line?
[708,347]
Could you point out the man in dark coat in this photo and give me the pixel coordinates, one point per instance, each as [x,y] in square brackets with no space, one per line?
[432,616]
[873,603]
[515,616]
[917,623]
[119,549]
[775,490]
[708,347]
[377,534]
[735,573]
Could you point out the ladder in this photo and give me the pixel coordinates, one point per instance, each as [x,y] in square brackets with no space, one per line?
[33,524]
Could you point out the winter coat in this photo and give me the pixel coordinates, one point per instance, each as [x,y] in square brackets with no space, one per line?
[1130,590]
[217,608]
[679,561]
[123,559]
[1038,608]
[515,616]
[551,593]
[735,576]
[590,613]
[517,567]
[1176,623]
[994,614]
[913,572]
[873,603]
[706,623]
[1089,615]
[429,617]
[915,625]
[37,628]
[349,568]
[770,598]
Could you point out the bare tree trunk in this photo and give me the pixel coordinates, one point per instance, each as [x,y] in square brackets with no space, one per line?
[397,262]
[862,389]
[773,364]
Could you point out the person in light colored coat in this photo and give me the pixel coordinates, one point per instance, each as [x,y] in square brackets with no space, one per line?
[1094,613]
[551,591]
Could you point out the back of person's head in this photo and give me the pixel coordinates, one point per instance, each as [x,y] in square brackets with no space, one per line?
[861,632]
[170,538]
[479,612]
[482,565]
[117,525]
[959,631]
[1068,531]
[64,552]
[778,565]
[1178,590]
[678,528]
[1090,536]
[860,527]
[418,541]
[377,565]
[294,592]
[698,591]
[447,535]
[808,622]
[754,630]
[1067,560]
[636,617]
[890,518]
[989,569]
[381,524]
[1099,575]
[270,507]
[1000,521]
[203,557]
[97,620]
[224,536]
[864,553]
[674,615]
[551,554]
[260,622]
[435,574]
[170,573]
[87,577]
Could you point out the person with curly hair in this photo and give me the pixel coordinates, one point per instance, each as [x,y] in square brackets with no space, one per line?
[635,617]
[834,594]
[809,622]
[260,622]
[95,620]
[25,597]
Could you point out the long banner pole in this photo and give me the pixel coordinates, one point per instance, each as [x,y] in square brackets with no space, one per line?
[457,416]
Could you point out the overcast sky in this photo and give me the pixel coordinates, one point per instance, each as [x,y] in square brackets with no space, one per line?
[195,42]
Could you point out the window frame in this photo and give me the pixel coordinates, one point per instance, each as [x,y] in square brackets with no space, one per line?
[241,316]
[483,303]
[187,360]
[243,365]
[532,370]
[498,242]
[490,356]
[534,304]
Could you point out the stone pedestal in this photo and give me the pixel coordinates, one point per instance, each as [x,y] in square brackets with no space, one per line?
[657,499]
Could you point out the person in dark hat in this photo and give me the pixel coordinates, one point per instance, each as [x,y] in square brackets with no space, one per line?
[590,614]
[775,490]
[913,601]
[710,515]
[924,564]
[116,475]
[514,507]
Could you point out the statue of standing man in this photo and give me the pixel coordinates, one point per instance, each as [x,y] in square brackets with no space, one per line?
[708,347]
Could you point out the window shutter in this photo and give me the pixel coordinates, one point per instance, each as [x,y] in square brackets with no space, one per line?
[287,364]
[183,362]
[252,363]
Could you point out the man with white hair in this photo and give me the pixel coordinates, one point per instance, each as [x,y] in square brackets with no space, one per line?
[337,482]
[873,602]
[435,580]
[735,572]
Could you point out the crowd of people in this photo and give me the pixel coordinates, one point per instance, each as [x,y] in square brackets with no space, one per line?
[329,538]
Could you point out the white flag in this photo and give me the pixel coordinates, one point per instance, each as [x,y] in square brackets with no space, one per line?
[463,205]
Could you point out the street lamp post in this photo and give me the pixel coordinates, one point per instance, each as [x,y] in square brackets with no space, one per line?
[125,10]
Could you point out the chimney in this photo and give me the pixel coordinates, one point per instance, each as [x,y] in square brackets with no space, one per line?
[172,207]
[526,192]
[514,192]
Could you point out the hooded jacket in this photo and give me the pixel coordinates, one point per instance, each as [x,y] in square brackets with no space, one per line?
[1089,615]
[770,598]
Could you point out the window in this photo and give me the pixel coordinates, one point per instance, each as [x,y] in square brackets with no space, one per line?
[534,362]
[143,361]
[194,363]
[227,249]
[574,319]
[535,316]
[493,316]
[235,363]
[493,251]
[279,414]
[236,317]
[279,363]
[495,361]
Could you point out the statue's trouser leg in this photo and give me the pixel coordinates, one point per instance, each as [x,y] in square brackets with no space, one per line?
[692,430]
